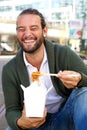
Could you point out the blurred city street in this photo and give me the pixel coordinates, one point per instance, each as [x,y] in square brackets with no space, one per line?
[3,123]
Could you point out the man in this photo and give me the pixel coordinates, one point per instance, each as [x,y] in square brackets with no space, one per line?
[66,102]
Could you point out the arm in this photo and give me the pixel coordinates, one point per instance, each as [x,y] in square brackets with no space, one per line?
[15,113]
[70,79]
[71,63]
[13,100]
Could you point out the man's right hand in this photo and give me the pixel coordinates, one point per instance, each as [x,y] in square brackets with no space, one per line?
[30,122]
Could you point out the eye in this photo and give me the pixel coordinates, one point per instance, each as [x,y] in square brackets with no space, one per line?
[34,28]
[20,29]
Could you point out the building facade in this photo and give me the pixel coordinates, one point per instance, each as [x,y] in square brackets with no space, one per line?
[58,15]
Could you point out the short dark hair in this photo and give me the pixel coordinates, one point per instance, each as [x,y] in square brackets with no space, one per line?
[35,12]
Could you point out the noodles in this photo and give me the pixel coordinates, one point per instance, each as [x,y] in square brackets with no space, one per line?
[35,76]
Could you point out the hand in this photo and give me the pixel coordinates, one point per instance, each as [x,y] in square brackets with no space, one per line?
[31,122]
[69,78]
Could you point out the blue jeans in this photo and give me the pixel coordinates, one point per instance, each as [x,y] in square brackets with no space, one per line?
[73,115]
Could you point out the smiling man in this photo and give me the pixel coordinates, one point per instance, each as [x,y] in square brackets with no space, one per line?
[68,89]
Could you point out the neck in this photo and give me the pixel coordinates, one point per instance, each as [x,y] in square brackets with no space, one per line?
[36,58]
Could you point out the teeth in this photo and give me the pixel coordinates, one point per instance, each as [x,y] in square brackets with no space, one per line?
[28,41]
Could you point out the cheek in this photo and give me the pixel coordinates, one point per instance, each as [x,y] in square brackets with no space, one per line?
[39,35]
[19,35]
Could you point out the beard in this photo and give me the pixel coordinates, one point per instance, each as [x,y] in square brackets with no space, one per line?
[36,46]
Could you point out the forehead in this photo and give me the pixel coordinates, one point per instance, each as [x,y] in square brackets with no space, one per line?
[28,19]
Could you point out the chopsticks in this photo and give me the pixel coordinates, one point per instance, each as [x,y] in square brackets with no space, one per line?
[50,74]
[45,74]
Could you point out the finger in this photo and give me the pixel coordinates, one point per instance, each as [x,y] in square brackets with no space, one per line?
[69,84]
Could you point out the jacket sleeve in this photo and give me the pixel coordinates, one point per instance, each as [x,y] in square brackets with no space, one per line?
[12,94]
[77,64]
[70,60]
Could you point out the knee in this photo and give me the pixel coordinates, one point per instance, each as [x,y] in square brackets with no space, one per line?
[80,103]
[8,128]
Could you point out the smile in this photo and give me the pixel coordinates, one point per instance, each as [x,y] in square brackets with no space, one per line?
[29,41]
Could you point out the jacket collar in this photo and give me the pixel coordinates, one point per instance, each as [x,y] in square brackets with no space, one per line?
[21,69]
[50,48]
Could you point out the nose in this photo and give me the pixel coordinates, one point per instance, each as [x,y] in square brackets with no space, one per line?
[27,32]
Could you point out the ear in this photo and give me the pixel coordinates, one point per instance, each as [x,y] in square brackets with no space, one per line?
[45,31]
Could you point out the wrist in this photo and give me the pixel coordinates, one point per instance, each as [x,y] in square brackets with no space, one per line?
[20,124]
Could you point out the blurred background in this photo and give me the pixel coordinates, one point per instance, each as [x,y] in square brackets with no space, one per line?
[67,25]
[66,19]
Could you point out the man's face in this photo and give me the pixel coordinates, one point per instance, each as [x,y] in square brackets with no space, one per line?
[29,32]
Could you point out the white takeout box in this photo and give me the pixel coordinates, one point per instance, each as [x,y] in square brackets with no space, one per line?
[34,99]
